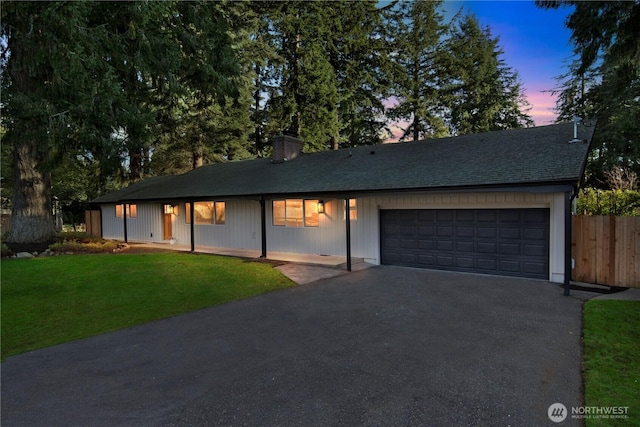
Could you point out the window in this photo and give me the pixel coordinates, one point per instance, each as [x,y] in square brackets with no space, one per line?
[206,213]
[353,210]
[295,213]
[220,208]
[311,213]
[278,212]
[132,211]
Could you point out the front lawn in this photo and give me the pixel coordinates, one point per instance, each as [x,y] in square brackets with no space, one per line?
[612,360]
[47,301]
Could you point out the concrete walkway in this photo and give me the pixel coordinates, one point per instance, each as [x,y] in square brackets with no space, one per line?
[310,259]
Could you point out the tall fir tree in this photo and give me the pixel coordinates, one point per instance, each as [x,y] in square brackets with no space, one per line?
[603,82]
[420,72]
[47,80]
[484,93]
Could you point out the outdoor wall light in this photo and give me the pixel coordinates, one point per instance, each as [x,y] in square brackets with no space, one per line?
[320,206]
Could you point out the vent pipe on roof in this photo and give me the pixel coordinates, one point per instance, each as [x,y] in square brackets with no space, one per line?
[575,139]
[285,148]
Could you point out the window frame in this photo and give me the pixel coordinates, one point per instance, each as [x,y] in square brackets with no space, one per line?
[215,204]
[287,219]
[131,210]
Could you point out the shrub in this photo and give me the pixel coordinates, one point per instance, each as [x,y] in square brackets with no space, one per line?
[5,251]
[88,247]
[592,201]
[81,242]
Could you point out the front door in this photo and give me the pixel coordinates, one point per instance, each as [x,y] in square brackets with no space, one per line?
[168,231]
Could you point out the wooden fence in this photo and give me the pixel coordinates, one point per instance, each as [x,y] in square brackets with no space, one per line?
[606,250]
[93,223]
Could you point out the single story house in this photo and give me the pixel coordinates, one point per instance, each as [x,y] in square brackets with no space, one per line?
[495,203]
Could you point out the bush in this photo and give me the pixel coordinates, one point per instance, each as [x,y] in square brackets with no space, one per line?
[82,242]
[78,236]
[5,251]
[84,247]
[592,201]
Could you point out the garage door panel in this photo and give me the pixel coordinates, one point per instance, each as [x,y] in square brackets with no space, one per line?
[426,260]
[426,244]
[465,246]
[444,260]
[510,233]
[465,216]
[493,241]
[487,215]
[444,245]
[510,248]
[486,247]
[465,263]
[408,244]
[426,215]
[535,268]
[509,266]
[425,230]
[445,215]
[486,265]
[444,231]
[534,250]
[465,231]
[487,232]
[534,234]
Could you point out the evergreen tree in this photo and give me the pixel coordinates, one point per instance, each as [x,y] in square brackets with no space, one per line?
[603,82]
[90,80]
[420,75]
[47,80]
[484,94]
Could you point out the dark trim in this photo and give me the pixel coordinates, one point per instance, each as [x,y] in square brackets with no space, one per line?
[124,216]
[348,231]
[263,226]
[191,228]
[567,242]
[533,187]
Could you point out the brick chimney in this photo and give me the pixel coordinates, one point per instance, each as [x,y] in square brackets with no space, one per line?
[285,148]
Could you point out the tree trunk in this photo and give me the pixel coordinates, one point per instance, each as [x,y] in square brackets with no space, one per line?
[135,165]
[197,154]
[31,219]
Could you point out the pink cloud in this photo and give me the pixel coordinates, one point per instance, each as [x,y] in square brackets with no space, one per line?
[542,107]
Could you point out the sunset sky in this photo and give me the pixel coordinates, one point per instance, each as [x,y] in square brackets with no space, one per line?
[535,42]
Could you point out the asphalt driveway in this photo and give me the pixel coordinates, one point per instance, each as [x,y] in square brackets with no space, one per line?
[382,346]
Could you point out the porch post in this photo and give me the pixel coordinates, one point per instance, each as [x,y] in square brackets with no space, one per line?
[124,216]
[263,226]
[567,242]
[192,228]
[348,232]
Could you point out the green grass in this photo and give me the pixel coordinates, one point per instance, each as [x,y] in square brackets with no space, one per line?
[48,301]
[612,359]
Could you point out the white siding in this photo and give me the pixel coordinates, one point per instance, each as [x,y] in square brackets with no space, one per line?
[242,227]
[147,226]
[329,238]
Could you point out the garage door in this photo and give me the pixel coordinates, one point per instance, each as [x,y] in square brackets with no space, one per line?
[512,242]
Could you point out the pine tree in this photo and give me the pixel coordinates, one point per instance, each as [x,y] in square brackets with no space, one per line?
[419,68]
[46,80]
[484,94]
[603,82]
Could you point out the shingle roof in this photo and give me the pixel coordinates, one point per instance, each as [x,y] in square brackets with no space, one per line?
[539,155]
